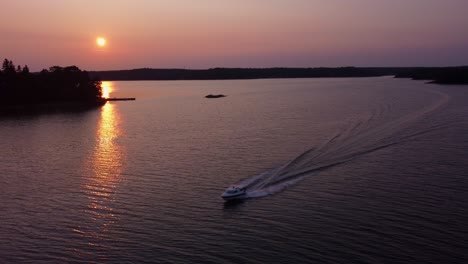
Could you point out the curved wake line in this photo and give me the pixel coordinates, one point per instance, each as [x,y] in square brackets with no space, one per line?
[349,144]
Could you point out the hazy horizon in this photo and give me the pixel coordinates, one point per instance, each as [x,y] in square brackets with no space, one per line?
[248,34]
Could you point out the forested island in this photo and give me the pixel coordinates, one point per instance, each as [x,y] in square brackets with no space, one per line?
[445,75]
[58,88]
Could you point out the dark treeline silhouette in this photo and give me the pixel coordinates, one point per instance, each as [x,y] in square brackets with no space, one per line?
[447,75]
[440,75]
[239,73]
[18,86]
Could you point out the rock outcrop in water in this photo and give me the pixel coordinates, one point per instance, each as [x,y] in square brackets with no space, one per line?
[215,96]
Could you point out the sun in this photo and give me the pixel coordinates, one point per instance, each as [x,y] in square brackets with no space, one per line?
[101,42]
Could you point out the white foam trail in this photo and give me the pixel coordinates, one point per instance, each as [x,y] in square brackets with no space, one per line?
[354,141]
[272,189]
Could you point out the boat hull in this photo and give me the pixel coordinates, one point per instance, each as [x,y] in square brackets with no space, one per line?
[234,197]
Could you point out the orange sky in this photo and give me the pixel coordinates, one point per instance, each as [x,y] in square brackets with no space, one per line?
[228,33]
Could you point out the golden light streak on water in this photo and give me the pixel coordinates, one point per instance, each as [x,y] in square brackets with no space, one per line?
[105,168]
[107,89]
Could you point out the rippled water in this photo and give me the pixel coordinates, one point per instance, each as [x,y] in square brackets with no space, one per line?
[367,170]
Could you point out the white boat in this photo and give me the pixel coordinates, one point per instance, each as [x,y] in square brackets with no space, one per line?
[233,192]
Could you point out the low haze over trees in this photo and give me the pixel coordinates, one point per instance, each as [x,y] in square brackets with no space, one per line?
[58,84]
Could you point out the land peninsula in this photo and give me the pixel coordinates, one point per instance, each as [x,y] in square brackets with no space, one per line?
[58,88]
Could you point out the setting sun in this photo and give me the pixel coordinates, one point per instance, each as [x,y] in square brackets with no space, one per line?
[101,42]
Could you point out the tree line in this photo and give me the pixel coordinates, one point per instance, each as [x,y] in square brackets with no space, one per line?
[57,84]
[240,73]
[443,75]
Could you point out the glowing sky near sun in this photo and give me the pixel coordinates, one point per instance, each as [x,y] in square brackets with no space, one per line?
[240,33]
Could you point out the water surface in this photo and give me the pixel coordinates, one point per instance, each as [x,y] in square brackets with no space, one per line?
[363,170]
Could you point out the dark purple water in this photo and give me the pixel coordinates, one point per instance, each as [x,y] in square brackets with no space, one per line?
[368,170]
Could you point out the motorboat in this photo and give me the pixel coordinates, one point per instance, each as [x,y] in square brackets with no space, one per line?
[233,192]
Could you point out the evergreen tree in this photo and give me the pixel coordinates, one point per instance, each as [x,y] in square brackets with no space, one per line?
[25,69]
[11,66]
[5,65]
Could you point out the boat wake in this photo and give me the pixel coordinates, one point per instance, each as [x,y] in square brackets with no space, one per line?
[358,138]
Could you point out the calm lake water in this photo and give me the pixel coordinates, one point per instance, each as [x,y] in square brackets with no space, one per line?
[358,170]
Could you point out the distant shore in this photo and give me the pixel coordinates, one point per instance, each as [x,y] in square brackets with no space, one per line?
[443,75]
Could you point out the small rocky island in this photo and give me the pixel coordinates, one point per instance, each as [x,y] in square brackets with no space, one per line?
[58,88]
[215,96]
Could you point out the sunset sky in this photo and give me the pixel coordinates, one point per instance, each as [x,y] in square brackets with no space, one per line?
[234,33]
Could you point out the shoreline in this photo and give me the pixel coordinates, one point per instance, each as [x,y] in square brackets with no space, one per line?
[440,75]
[70,106]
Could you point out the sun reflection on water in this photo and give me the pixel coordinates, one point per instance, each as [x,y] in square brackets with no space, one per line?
[104,174]
[107,89]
